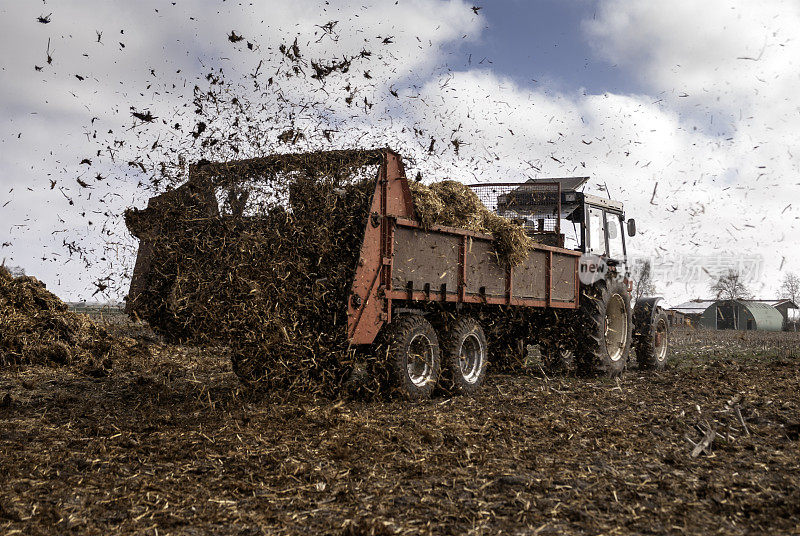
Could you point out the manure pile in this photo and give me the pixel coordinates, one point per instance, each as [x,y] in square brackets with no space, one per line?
[260,255]
[454,204]
[36,328]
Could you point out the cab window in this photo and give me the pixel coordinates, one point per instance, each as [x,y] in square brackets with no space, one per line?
[616,248]
[597,235]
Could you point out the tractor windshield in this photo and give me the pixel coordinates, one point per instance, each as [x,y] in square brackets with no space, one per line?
[596,232]
[616,247]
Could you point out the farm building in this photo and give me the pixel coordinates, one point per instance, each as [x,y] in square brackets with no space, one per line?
[783,307]
[676,318]
[740,315]
[691,311]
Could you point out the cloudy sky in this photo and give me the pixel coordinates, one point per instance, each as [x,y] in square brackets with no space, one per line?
[686,111]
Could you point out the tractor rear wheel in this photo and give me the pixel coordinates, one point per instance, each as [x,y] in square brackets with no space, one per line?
[413,356]
[607,329]
[465,356]
[651,347]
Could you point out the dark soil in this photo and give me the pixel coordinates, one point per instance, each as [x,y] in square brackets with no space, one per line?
[171,443]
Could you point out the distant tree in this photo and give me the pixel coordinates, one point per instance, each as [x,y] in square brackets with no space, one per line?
[642,279]
[730,287]
[790,289]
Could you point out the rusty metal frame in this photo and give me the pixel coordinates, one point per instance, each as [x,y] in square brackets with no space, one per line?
[461,296]
[548,277]
[452,297]
[411,224]
[370,305]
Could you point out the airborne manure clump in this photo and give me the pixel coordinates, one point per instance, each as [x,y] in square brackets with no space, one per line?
[454,204]
[37,328]
[261,254]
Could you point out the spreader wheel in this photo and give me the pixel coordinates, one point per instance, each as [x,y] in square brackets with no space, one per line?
[653,343]
[557,357]
[413,356]
[465,355]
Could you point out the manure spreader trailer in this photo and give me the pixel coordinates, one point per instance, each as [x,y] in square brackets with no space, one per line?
[436,302]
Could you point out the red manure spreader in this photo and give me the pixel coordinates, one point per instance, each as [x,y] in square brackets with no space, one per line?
[344,272]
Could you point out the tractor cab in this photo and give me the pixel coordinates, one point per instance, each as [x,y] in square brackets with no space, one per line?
[555,213]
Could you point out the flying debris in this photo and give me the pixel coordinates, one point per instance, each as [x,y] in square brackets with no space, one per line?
[290,136]
[146,116]
[233,38]
[101,286]
[291,52]
[44,19]
[139,165]
[199,129]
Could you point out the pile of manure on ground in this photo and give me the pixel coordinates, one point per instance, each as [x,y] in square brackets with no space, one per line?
[260,255]
[37,328]
[454,204]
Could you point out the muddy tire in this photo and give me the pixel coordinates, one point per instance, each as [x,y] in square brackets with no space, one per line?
[604,340]
[464,356]
[652,345]
[413,356]
[556,357]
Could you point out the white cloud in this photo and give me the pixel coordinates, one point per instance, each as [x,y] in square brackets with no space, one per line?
[62,120]
[722,182]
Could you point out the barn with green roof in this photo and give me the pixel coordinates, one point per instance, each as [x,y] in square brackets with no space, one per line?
[741,315]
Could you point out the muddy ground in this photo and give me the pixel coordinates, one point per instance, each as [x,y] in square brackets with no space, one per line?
[169,442]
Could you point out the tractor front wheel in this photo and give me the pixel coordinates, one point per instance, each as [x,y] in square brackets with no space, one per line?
[607,329]
[653,343]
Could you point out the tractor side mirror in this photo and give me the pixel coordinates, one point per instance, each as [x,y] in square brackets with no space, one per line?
[631,227]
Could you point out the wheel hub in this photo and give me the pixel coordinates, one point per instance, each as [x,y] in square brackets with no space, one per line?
[661,340]
[471,358]
[420,360]
[616,327]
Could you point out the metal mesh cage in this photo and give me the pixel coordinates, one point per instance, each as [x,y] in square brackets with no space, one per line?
[536,205]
